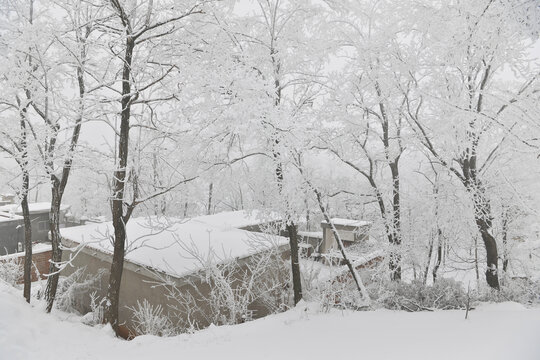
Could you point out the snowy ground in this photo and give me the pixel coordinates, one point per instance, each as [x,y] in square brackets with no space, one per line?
[495,331]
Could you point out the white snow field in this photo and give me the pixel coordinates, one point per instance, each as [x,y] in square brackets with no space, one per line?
[493,331]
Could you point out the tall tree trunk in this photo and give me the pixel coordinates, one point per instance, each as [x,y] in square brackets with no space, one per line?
[210,193]
[395,239]
[58,186]
[505,239]
[476,269]
[291,226]
[27,276]
[293,239]
[25,188]
[428,262]
[482,216]
[56,240]
[119,220]
[292,230]
[439,255]
[482,209]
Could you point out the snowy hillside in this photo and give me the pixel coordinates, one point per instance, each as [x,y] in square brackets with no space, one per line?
[498,331]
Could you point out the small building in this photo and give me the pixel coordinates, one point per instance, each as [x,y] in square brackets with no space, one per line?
[162,251]
[6,199]
[350,231]
[39,218]
[11,233]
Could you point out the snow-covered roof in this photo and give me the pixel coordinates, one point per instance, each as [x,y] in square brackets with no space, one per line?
[33,207]
[312,234]
[6,216]
[348,222]
[238,219]
[168,245]
[37,248]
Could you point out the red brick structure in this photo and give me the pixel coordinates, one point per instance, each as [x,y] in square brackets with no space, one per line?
[40,260]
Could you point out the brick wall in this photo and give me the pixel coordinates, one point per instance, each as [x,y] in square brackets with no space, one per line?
[40,262]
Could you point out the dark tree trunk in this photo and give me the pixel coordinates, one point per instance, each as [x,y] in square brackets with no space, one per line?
[27,277]
[394,236]
[25,187]
[395,239]
[483,219]
[117,267]
[58,187]
[482,208]
[505,239]
[492,257]
[430,253]
[210,190]
[439,255]
[295,262]
[56,257]
[293,239]
[291,226]
[120,220]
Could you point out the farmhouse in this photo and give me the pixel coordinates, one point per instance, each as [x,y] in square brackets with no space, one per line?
[164,253]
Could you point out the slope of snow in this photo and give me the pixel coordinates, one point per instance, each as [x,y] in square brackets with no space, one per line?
[169,245]
[492,332]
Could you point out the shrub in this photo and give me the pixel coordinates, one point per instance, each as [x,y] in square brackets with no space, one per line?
[445,294]
[72,288]
[521,290]
[11,271]
[95,316]
[150,320]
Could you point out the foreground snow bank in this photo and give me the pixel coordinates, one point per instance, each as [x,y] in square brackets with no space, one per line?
[494,331]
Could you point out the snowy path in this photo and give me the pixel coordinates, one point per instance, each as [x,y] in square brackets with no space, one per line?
[502,331]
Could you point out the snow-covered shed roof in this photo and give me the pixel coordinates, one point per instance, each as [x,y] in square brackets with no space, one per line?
[33,207]
[169,245]
[5,216]
[348,222]
[37,248]
[238,219]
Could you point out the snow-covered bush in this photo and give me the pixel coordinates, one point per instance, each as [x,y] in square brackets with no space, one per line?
[95,316]
[11,271]
[150,320]
[271,285]
[231,292]
[521,290]
[340,294]
[72,288]
[444,294]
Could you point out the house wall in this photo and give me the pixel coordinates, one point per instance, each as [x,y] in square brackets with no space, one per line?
[314,241]
[10,236]
[40,226]
[348,235]
[11,233]
[139,283]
